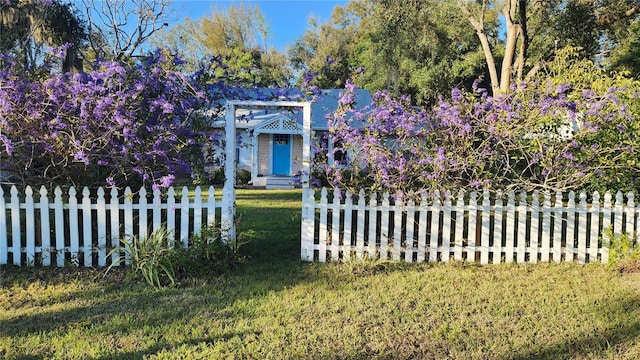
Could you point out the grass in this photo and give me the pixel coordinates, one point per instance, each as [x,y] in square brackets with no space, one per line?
[277,307]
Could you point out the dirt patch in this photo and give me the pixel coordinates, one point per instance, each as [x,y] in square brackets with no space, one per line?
[628,266]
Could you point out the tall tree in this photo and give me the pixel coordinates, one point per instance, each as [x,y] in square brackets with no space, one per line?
[403,45]
[27,28]
[328,49]
[118,29]
[536,29]
[238,35]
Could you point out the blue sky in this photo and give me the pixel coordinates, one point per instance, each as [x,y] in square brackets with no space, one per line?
[288,18]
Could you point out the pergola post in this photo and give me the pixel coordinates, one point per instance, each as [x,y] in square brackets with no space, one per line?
[227,217]
[308,201]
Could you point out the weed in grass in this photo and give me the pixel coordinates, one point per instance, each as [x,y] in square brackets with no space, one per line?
[149,257]
[364,264]
[207,254]
[624,251]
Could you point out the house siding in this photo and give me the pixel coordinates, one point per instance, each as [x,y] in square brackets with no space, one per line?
[264,154]
[297,153]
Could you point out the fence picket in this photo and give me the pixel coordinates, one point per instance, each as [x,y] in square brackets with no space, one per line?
[472,233]
[114,216]
[545,232]
[30,236]
[322,231]
[510,237]
[521,241]
[485,212]
[211,207]
[128,221]
[335,227]
[87,236]
[422,229]
[373,222]
[534,234]
[435,228]
[171,213]
[45,225]
[384,227]
[398,209]
[16,238]
[570,248]
[197,211]
[558,215]
[409,249]
[184,217]
[607,228]
[74,230]
[617,220]
[459,224]
[143,232]
[629,215]
[157,211]
[101,221]
[446,228]
[347,246]
[582,228]
[593,246]
[4,243]
[59,221]
[360,224]
[497,228]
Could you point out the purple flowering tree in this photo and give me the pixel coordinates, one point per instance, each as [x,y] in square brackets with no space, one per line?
[119,124]
[544,136]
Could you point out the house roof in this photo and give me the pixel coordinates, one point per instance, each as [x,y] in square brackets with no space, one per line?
[326,103]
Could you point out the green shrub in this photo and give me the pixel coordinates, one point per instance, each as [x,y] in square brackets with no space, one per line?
[149,257]
[622,247]
[207,254]
[243,177]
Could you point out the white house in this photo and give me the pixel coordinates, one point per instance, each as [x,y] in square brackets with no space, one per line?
[270,141]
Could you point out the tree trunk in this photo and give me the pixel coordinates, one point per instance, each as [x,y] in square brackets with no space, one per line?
[478,25]
[513,30]
[72,63]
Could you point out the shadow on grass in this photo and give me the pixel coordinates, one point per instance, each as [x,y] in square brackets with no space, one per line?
[595,344]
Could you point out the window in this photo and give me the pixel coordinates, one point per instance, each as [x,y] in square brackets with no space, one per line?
[281,139]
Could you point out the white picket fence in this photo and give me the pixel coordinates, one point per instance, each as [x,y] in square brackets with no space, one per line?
[472,227]
[35,229]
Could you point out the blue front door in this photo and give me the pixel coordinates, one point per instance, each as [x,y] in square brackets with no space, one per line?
[281,154]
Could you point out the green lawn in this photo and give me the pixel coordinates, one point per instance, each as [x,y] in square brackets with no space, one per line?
[276,307]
